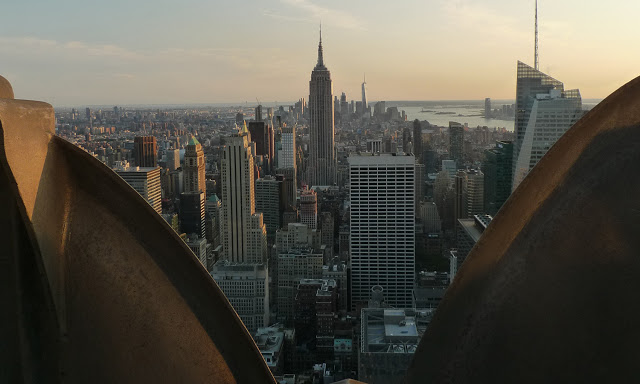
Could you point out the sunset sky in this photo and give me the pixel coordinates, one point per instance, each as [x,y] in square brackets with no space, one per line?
[73,53]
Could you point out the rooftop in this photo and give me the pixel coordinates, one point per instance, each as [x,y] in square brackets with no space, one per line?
[193,141]
[393,330]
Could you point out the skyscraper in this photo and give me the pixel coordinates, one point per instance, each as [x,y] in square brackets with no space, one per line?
[456,143]
[544,112]
[287,153]
[406,141]
[487,108]
[322,160]
[145,180]
[497,169]
[192,213]
[194,180]
[309,208]
[145,151]
[258,113]
[344,107]
[244,236]
[417,140]
[173,159]
[269,203]
[382,241]
[364,97]
[263,135]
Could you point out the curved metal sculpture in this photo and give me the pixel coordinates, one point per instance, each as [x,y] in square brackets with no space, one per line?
[550,292]
[95,286]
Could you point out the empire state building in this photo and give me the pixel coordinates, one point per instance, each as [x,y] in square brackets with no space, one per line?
[322,159]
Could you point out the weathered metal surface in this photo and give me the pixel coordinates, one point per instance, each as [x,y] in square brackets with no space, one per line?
[102,288]
[551,292]
[6,91]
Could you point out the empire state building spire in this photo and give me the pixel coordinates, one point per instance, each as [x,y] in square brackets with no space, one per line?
[320,59]
[321,169]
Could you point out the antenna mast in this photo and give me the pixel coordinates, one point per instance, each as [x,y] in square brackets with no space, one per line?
[536,60]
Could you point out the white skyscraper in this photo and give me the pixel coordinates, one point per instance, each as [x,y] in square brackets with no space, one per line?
[287,154]
[322,158]
[364,98]
[244,236]
[382,241]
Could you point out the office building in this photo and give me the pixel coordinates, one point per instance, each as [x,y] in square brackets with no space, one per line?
[429,216]
[469,193]
[321,169]
[297,235]
[420,182]
[173,159]
[263,135]
[194,168]
[309,208]
[213,213]
[289,187]
[497,168]
[192,213]
[293,265]
[456,143]
[365,105]
[145,180]
[246,285]
[287,153]
[417,140]
[468,234]
[258,113]
[544,112]
[145,151]
[382,240]
[389,340]
[327,227]
[244,236]
[271,343]
[316,304]
[487,108]
[270,204]
[198,246]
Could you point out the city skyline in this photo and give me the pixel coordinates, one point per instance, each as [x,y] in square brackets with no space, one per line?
[263,52]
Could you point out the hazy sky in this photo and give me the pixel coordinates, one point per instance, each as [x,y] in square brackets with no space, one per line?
[73,52]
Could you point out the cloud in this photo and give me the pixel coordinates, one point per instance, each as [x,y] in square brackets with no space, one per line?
[316,13]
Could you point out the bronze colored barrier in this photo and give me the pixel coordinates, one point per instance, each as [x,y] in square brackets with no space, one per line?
[96,287]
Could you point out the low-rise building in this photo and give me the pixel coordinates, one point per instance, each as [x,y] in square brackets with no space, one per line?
[388,341]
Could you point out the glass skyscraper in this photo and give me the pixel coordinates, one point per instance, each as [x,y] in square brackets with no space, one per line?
[544,112]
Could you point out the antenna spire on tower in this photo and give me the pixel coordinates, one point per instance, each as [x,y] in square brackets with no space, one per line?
[535,59]
[320,58]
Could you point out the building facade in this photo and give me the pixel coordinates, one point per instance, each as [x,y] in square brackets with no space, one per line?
[498,178]
[194,168]
[145,180]
[321,169]
[309,208]
[244,235]
[382,239]
[270,204]
[146,151]
[456,143]
[544,112]
[246,285]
